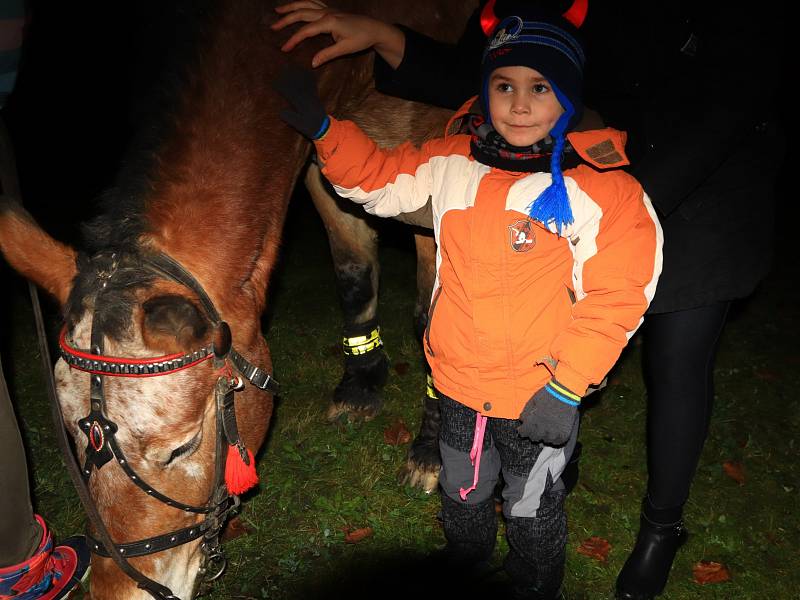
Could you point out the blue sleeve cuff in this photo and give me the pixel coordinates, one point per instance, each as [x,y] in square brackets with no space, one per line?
[323,129]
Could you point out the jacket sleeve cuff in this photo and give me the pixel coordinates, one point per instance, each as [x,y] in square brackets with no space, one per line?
[329,140]
[562,393]
[571,379]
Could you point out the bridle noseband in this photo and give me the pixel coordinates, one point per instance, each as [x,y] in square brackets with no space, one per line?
[102,445]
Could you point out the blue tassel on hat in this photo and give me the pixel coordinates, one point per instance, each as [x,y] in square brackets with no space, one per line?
[552,207]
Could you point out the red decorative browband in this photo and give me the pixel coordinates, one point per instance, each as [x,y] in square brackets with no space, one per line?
[129,367]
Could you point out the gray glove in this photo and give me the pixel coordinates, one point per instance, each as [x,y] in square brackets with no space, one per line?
[549,415]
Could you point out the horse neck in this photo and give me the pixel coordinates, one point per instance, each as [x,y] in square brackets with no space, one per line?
[224,176]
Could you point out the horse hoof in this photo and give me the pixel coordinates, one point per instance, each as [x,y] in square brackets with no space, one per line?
[425,478]
[338,411]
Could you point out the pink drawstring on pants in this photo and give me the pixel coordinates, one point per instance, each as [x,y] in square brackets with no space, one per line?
[475,453]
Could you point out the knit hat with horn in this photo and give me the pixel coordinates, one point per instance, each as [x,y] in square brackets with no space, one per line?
[550,44]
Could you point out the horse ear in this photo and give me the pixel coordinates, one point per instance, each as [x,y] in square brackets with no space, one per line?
[173,324]
[32,253]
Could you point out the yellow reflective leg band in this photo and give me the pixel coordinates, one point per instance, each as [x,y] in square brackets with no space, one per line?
[431,392]
[361,344]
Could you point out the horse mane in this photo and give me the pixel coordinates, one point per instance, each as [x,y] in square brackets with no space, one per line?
[176,40]
[199,158]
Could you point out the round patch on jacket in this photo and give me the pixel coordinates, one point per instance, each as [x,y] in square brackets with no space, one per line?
[522,235]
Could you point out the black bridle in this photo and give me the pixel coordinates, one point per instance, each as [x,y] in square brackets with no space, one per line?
[100,431]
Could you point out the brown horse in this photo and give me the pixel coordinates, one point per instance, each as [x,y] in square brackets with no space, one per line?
[190,241]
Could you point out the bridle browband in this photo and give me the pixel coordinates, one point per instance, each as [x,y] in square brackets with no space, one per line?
[100,431]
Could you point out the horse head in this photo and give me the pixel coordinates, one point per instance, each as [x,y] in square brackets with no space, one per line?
[150,434]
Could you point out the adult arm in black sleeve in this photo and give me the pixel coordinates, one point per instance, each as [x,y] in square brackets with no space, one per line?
[434,72]
[734,95]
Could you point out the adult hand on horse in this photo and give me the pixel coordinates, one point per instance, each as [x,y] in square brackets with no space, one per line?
[549,415]
[351,32]
[307,114]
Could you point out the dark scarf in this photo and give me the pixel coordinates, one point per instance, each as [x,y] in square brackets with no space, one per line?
[491,149]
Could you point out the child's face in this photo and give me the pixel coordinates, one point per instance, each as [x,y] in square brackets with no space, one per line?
[522,105]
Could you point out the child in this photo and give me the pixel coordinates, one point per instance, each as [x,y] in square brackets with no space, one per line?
[545,267]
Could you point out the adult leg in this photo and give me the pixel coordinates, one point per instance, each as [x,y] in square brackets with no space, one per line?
[31,566]
[679,351]
[19,531]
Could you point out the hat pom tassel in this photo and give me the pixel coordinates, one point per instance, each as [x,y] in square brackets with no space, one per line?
[552,206]
[240,469]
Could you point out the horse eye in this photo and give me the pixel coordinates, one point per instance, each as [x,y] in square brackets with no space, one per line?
[186,449]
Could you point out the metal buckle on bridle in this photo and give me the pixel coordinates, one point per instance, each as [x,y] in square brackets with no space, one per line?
[215,561]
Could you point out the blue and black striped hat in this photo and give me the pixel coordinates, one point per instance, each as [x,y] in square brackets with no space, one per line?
[550,44]
[543,41]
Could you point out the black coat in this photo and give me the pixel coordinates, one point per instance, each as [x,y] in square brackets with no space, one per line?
[694,84]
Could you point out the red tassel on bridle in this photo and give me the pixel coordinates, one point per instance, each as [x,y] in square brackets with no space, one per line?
[575,14]
[240,469]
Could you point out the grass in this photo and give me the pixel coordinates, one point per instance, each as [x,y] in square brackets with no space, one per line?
[318,480]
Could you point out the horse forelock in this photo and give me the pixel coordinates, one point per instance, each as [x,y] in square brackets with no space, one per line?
[112,314]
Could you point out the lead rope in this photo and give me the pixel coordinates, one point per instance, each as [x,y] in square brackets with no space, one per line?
[475,453]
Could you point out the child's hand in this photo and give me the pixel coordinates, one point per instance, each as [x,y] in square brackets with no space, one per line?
[351,32]
[308,114]
[549,415]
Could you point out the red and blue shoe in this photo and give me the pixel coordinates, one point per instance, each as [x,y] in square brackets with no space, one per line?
[52,573]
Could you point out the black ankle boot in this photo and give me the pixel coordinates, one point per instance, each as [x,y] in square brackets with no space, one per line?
[645,573]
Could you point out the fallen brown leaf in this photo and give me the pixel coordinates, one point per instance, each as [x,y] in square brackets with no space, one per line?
[734,470]
[710,572]
[596,548]
[397,433]
[767,374]
[235,528]
[357,535]
[401,368]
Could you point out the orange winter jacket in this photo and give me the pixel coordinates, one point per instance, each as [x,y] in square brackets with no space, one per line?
[514,303]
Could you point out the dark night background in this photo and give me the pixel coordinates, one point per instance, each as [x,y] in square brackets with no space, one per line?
[85,69]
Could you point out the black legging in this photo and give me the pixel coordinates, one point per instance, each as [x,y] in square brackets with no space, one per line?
[678,354]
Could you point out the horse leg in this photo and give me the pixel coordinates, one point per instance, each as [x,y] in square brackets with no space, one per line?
[422,467]
[354,246]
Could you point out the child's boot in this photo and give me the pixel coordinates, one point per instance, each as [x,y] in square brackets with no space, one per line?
[537,553]
[645,573]
[50,574]
[471,533]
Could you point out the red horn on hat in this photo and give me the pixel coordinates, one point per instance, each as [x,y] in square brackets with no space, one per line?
[575,14]
[489,20]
